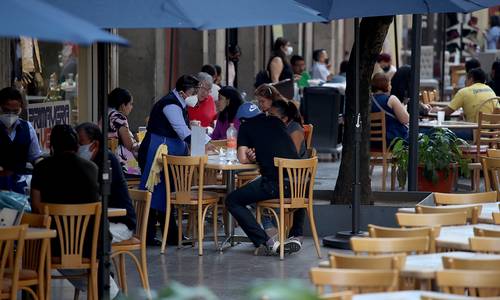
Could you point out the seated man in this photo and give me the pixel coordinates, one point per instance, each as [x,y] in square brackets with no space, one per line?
[121,228]
[472,98]
[261,138]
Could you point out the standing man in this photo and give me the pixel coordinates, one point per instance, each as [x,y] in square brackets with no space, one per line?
[18,142]
[168,125]
[254,146]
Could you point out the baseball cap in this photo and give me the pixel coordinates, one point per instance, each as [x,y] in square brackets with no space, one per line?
[247,110]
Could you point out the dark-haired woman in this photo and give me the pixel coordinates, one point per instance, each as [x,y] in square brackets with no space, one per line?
[227,106]
[120,105]
[278,67]
[287,112]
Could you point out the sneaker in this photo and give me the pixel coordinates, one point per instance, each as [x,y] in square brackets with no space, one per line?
[265,250]
[292,245]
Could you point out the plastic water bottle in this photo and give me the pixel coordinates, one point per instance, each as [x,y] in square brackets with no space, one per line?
[231,135]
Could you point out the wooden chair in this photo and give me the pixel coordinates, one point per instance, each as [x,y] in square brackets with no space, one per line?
[72,222]
[496,218]
[472,211]
[409,245]
[311,153]
[380,155]
[486,232]
[35,257]
[470,263]
[142,202]
[457,199]
[355,280]
[112,144]
[491,168]
[344,295]
[388,261]
[301,174]
[389,232]
[471,283]
[9,283]
[308,135]
[442,219]
[485,244]
[133,183]
[494,153]
[197,202]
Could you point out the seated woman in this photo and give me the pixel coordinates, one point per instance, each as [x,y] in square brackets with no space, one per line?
[266,94]
[120,105]
[396,116]
[289,114]
[227,106]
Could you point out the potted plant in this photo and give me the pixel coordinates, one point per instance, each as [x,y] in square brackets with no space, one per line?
[439,155]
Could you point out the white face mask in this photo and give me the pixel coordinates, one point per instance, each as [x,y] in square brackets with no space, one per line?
[8,119]
[289,50]
[84,151]
[191,100]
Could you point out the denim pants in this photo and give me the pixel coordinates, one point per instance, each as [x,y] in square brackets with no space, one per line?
[297,226]
[258,190]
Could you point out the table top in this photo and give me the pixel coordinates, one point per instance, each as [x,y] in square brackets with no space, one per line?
[40,233]
[412,295]
[457,237]
[116,212]
[440,103]
[425,266]
[485,216]
[223,165]
[457,113]
[447,124]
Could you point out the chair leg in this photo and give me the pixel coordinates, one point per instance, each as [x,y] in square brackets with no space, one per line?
[215,214]
[76,296]
[179,227]
[225,220]
[200,230]
[312,222]
[144,267]
[123,274]
[165,229]
[282,233]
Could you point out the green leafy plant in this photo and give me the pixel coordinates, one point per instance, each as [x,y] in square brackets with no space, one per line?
[436,152]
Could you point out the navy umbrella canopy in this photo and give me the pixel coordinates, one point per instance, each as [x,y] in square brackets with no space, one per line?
[188,13]
[43,21]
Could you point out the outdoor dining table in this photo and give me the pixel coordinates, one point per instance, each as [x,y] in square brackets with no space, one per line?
[447,124]
[230,169]
[412,295]
[440,103]
[485,216]
[457,237]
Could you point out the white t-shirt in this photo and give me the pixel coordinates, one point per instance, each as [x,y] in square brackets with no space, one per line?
[320,71]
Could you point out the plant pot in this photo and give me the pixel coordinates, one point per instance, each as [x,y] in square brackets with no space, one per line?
[443,185]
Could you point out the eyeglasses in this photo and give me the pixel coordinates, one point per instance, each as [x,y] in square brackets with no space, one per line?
[7,111]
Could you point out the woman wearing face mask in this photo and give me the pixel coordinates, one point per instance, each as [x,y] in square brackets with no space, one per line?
[18,142]
[120,105]
[278,67]
[168,125]
[227,106]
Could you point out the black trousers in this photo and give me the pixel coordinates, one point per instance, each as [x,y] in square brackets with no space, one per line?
[258,190]
[160,216]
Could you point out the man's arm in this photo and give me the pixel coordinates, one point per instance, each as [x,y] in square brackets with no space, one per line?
[34,152]
[242,155]
[36,201]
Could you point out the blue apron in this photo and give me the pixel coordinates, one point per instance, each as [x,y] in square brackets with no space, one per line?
[175,147]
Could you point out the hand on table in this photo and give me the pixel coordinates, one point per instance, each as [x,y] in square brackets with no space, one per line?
[251,154]
[209,147]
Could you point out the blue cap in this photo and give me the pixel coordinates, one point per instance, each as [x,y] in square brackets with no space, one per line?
[247,110]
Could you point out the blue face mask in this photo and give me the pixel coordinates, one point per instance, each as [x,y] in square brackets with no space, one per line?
[84,152]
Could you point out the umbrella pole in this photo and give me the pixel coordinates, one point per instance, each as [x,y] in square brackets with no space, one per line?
[443,55]
[227,56]
[104,263]
[171,57]
[396,46]
[414,103]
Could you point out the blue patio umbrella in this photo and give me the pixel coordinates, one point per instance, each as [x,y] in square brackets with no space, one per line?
[43,21]
[188,13]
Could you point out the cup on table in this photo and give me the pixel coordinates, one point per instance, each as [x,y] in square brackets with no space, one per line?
[440,116]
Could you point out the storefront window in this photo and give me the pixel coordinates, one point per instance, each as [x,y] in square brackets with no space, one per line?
[47,73]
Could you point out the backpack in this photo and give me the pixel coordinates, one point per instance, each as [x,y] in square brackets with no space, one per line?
[261,78]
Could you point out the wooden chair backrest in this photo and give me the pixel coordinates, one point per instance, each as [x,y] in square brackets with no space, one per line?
[390,232]
[311,153]
[491,169]
[472,211]
[308,134]
[409,245]
[382,261]
[474,283]
[441,219]
[355,280]
[486,232]
[496,218]
[300,174]
[485,244]
[35,251]
[378,129]
[488,131]
[72,222]
[495,153]
[472,198]
[112,144]
[471,263]
[182,170]
[8,237]
[141,200]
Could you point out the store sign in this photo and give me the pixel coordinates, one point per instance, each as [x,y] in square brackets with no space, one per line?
[44,116]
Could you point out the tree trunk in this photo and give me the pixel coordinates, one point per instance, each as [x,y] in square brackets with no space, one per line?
[373,31]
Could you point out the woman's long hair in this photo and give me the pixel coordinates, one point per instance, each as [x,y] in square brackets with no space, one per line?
[401,83]
[235,101]
[288,109]
[276,51]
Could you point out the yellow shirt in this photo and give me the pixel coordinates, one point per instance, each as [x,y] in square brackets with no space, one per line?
[470,99]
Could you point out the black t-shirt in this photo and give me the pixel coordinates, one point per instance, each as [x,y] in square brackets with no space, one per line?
[268,136]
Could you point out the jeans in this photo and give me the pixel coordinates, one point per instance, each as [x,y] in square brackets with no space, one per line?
[258,190]
[297,226]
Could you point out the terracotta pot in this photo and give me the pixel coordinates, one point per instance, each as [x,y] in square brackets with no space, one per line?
[443,185]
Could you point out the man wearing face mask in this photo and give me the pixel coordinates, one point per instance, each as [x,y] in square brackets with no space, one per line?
[168,124]
[18,142]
